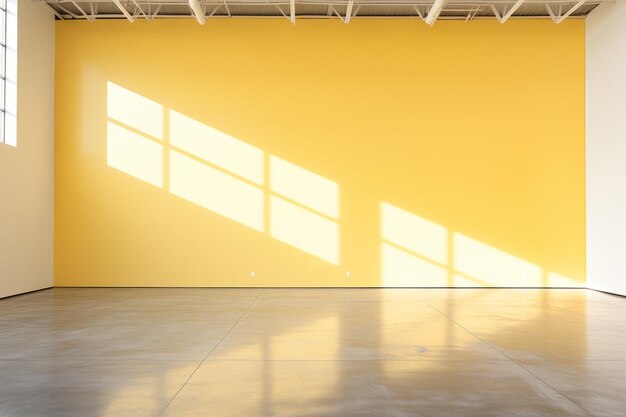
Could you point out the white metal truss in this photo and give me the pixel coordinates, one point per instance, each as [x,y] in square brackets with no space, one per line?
[124,11]
[558,18]
[505,14]
[427,10]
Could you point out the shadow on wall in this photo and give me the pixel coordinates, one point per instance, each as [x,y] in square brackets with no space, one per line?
[293,205]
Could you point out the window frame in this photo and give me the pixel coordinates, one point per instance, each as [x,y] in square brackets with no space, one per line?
[3,74]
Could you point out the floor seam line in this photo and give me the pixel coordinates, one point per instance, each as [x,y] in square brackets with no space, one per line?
[621,326]
[468,331]
[562,394]
[208,354]
[513,361]
[234,325]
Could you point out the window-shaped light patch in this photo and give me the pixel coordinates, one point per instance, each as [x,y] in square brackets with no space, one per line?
[135,110]
[304,187]
[558,280]
[215,190]
[403,269]
[304,230]
[216,147]
[462,281]
[134,154]
[414,233]
[492,266]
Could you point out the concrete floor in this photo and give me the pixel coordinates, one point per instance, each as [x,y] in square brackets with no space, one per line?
[312,352]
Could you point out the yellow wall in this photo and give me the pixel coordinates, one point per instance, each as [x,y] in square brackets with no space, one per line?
[406,155]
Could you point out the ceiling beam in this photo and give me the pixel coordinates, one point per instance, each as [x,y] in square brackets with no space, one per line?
[472,13]
[140,9]
[419,12]
[56,13]
[342,18]
[66,11]
[570,11]
[434,11]
[155,12]
[80,9]
[124,11]
[428,10]
[511,11]
[496,13]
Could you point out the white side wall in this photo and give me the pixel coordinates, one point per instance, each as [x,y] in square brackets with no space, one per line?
[26,171]
[606,148]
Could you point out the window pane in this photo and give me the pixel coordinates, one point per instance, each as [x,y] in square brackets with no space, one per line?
[2,127]
[2,95]
[3,67]
[3,84]
[3,20]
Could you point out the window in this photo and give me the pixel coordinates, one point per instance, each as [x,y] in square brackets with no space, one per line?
[8,72]
[3,68]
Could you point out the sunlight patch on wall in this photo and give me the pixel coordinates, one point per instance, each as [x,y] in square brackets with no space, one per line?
[216,147]
[304,208]
[462,281]
[227,176]
[134,154]
[134,110]
[216,191]
[222,174]
[493,266]
[304,187]
[418,252]
[558,280]
[304,230]
[414,250]
[403,269]
[414,233]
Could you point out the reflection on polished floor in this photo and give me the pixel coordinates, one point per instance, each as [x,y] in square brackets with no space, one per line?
[312,352]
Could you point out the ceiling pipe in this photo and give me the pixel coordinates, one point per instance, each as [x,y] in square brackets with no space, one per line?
[349,12]
[434,12]
[292,11]
[197,11]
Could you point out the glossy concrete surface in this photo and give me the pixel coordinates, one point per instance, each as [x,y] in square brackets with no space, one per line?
[312,352]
